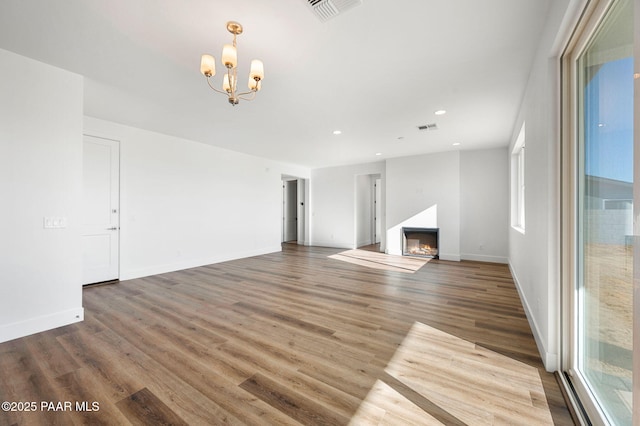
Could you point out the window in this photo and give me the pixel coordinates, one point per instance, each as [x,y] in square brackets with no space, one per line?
[518,182]
[601,250]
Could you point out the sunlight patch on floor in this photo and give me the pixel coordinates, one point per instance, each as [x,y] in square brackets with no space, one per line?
[387,262]
[464,381]
[385,406]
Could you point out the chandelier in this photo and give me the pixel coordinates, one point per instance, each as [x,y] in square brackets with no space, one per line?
[230,62]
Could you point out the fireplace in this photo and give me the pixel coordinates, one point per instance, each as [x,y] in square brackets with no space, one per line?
[422,242]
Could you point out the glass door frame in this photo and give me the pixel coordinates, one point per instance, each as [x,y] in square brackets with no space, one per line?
[593,16]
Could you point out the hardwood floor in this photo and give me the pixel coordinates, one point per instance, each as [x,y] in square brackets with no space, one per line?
[289,338]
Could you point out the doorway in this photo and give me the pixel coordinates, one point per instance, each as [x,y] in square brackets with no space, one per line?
[289,211]
[294,215]
[100,210]
[368,212]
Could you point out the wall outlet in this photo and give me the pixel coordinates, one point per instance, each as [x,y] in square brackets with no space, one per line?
[55,222]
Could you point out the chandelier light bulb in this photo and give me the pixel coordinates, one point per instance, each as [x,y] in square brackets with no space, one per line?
[257,70]
[208,66]
[229,56]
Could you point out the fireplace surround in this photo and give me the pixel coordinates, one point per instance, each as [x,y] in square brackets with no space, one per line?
[420,242]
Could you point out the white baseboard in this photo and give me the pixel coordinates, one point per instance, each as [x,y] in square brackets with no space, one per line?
[43,323]
[550,360]
[332,244]
[452,257]
[193,263]
[484,258]
[364,243]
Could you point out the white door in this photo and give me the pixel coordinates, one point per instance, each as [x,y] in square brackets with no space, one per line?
[101,210]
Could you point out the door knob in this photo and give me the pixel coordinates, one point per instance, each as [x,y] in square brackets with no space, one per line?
[112,229]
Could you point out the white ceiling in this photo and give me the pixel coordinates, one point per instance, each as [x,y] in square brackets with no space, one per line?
[376,72]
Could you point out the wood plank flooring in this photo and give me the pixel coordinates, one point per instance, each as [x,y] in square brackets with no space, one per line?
[287,338]
[377,260]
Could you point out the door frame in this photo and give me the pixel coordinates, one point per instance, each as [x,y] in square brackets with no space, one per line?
[289,196]
[118,202]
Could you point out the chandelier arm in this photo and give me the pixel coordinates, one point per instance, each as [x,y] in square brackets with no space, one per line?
[240,96]
[219,91]
[251,92]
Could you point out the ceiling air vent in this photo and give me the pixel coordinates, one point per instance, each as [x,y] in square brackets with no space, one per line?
[327,9]
[432,126]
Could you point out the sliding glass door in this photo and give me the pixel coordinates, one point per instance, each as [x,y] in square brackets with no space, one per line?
[603,189]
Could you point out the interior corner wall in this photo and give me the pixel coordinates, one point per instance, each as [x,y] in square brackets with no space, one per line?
[186,204]
[484,205]
[40,176]
[534,256]
[424,191]
[333,203]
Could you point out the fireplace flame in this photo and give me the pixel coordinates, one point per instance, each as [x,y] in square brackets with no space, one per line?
[423,250]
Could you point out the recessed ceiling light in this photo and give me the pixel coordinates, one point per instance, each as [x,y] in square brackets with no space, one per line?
[456,144]
[337,132]
[378,153]
[440,112]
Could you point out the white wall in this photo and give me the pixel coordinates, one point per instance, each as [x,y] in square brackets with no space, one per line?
[424,191]
[183,204]
[453,191]
[534,257]
[40,175]
[333,195]
[186,204]
[484,209]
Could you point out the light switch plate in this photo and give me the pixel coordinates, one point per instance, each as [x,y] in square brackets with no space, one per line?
[55,222]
